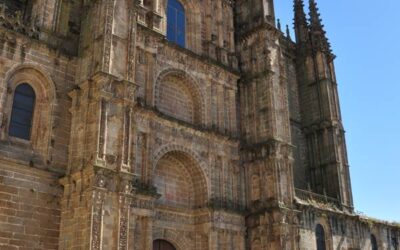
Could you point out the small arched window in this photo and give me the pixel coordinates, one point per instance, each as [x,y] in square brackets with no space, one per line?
[374,243]
[320,236]
[176,22]
[22,112]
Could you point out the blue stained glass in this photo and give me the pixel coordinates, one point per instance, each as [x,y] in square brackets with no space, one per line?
[176,22]
[22,112]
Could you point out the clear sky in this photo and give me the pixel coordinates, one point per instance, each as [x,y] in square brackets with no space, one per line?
[365,36]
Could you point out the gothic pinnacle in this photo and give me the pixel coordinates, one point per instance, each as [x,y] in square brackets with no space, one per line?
[279,25]
[318,34]
[300,15]
[288,32]
[300,21]
[315,19]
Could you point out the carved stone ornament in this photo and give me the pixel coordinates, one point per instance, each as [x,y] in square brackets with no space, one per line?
[97,219]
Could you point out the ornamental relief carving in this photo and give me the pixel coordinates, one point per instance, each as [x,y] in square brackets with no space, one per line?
[97,218]
[142,203]
[118,89]
[226,218]
[173,217]
[125,203]
[171,58]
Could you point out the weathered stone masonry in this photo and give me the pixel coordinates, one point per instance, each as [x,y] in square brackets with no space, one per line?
[234,141]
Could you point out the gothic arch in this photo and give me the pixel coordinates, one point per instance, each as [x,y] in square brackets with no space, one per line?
[174,147]
[187,92]
[191,165]
[45,92]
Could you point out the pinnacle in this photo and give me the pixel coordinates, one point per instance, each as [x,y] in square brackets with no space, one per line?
[300,15]
[315,19]
[317,29]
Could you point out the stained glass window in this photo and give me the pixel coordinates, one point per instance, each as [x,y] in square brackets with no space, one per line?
[22,112]
[176,22]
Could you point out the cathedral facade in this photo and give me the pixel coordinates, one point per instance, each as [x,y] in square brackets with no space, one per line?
[172,125]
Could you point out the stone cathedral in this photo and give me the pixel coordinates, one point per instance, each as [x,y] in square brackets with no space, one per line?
[173,125]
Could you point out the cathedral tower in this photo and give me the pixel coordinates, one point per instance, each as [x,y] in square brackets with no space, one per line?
[327,165]
[266,148]
[172,125]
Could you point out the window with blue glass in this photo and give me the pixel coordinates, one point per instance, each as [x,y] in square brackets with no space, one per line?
[22,112]
[176,22]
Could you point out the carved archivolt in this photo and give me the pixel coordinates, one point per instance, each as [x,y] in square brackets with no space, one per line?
[185,170]
[160,152]
[176,238]
[177,95]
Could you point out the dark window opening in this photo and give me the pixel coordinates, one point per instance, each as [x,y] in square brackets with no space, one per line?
[147,3]
[395,243]
[374,244]
[320,235]
[162,245]
[176,22]
[22,112]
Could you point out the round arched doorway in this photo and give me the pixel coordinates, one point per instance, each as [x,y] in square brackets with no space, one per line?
[162,245]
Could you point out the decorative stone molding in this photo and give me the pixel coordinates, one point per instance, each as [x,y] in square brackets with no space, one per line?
[97,220]
[43,118]
[160,152]
[16,23]
[196,95]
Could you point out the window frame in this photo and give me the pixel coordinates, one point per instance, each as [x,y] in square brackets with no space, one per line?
[320,237]
[32,116]
[179,8]
[44,117]
[374,242]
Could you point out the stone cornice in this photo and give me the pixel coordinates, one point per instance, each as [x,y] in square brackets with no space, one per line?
[267,149]
[211,134]
[265,26]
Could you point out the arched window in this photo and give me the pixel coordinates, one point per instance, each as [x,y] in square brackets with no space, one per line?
[22,112]
[320,235]
[374,243]
[162,245]
[176,22]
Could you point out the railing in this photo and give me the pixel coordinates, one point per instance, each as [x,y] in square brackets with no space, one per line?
[307,196]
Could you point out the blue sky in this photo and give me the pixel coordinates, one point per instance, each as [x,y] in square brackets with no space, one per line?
[365,36]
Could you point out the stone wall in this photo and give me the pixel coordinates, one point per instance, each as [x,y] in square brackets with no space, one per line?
[344,231]
[30,193]
[51,74]
[201,146]
[29,207]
